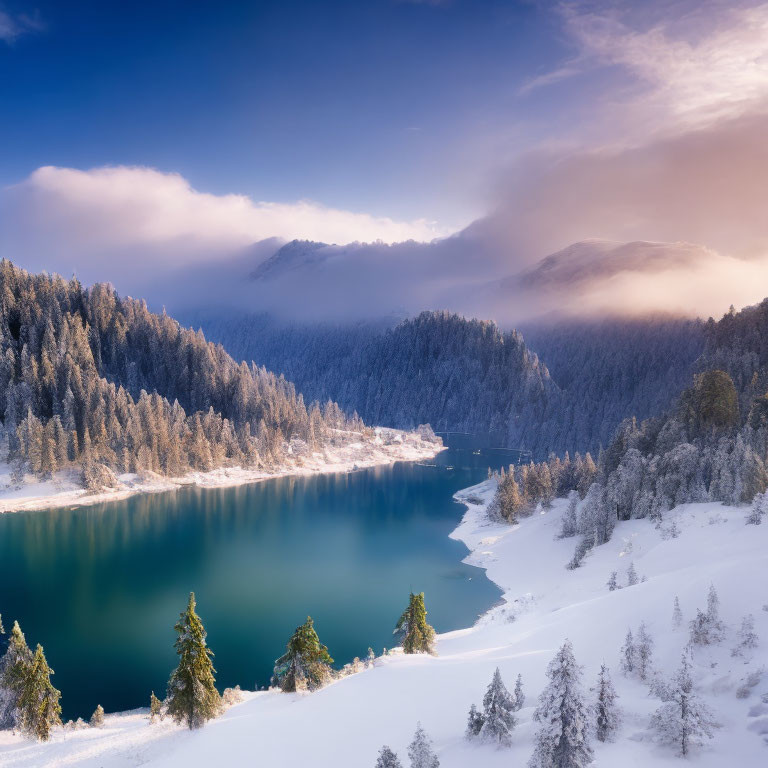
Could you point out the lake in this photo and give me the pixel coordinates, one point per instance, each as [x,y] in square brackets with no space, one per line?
[100,587]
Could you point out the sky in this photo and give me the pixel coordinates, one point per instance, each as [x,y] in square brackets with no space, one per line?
[190,140]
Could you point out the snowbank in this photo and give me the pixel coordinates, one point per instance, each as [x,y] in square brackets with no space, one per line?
[349,451]
[346,723]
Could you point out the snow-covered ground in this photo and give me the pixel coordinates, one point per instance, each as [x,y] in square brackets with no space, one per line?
[346,452]
[345,724]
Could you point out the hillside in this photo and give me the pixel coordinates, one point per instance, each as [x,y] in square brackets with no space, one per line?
[543,605]
[467,375]
[95,383]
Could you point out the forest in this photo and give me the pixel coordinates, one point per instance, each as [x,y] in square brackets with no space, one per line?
[97,381]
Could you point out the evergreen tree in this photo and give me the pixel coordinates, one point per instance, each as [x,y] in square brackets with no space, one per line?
[475,722]
[388,759]
[677,615]
[97,718]
[38,703]
[192,697]
[519,694]
[306,663]
[632,578]
[684,720]
[416,635]
[498,718]
[562,740]
[420,750]
[14,667]
[644,652]
[612,583]
[155,707]
[568,526]
[746,636]
[607,714]
[628,660]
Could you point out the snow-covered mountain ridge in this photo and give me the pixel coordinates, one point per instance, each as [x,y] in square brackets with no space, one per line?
[346,723]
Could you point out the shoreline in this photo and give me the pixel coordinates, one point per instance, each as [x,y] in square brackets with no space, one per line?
[65,491]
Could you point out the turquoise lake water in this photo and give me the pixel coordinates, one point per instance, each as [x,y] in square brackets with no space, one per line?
[101,587]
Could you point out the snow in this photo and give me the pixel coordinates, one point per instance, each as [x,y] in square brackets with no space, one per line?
[346,723]
[346,452]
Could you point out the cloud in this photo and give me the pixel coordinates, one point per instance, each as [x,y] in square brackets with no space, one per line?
[92,221]
[13,27]
[698,64]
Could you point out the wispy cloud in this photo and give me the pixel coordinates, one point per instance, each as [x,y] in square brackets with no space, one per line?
[14,26]
[684,64]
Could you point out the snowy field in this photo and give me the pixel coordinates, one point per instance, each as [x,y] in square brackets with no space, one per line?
[346,452]
[345,724]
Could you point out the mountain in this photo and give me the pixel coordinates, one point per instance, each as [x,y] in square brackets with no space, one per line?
[468,375]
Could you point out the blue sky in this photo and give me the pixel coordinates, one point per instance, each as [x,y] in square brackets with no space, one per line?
[396,108]
[142,141]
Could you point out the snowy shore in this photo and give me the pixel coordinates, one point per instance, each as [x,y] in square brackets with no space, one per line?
[344,725]
[349,452]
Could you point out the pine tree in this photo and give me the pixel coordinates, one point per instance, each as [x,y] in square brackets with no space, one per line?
[612,583]
[684,720]
[370,658]
[607,713]
[498,718]
[388,759]
[563,737]
[38,704]
[475,722]
[192,697]
[677,615]
[14,667]
[420,750]
[628,660]
[519,694]
[644,652]
[746,636]
[97,718]
[306,663]
[632,575]
[713,614]
[568,526]
[155,708]
[417,636]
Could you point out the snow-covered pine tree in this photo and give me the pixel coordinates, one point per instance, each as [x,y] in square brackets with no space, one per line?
[97,718]
[677,614]
[370,658]
[388,759]
[568,525]
[14,666]
[758,509]
[519,694]
[38,704]
[713,614]
[746,636]
[562,740]
[498,718]
[613,584]
[475,722]
[632,578]
[192,697]
[683,721]
[583,547]
[607,712]
[644,652]
[306,664]
[628,658]
[155,707]
[420,750]
[416,635]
